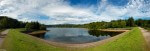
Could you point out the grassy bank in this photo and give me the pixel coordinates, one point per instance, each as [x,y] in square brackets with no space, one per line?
[131,41]
[16,41]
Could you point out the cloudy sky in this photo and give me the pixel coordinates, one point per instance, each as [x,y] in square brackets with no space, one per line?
[74,11]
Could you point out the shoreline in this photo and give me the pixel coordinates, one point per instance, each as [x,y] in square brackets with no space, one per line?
[82,45]
[107,30]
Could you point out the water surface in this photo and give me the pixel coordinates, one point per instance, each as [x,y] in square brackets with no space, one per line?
[76,35]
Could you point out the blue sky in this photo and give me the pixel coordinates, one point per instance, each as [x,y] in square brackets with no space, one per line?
[74,11]
[84,3]
[96,2]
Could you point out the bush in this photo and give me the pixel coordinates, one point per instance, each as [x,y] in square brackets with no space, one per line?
[34,26]
[42,27]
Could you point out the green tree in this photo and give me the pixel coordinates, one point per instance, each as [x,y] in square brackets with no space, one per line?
[139,22]
[34,26]
[130,22]
[29,26]
[42,27]
[121,23]
[4,23]
[114,24]
[92,26]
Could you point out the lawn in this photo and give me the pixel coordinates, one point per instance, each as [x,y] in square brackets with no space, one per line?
[16,41]
[131,41]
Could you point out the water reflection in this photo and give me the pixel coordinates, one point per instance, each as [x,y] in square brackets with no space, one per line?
[76,35]
[98,33]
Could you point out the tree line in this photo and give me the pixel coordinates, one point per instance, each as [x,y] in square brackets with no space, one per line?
[66,25]
[6,22]
[130,22]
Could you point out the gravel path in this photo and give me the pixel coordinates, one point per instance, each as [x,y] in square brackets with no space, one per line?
[146,35]
[3,34]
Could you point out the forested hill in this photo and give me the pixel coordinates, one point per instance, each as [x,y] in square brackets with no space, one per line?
[6,22]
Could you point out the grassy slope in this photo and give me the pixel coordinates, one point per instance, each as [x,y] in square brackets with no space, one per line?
[132,41]
[16,41]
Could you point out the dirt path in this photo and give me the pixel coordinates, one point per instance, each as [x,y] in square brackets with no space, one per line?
[3,34]
[146,35]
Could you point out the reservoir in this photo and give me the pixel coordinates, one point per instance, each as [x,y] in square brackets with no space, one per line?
[76,35]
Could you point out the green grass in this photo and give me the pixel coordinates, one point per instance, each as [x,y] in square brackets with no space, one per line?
[16,41]
[131,41]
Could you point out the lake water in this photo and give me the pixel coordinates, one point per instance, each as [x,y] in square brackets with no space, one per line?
[76,35]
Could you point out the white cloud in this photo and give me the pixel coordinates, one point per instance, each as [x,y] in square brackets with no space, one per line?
[133,8]
[60,11]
